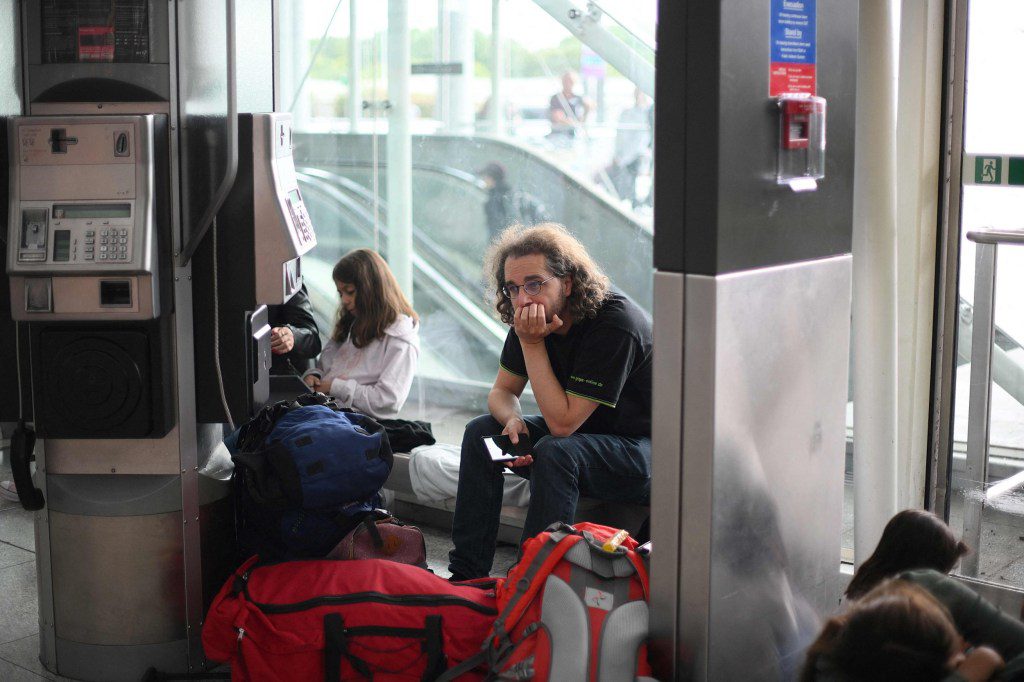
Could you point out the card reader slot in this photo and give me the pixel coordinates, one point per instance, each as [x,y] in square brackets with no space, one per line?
[115,293]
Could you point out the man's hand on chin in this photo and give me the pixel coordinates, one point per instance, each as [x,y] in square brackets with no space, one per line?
[531,323]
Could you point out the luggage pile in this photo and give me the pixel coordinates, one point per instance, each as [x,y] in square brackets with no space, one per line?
[306,473]
[346,620]
[338,590]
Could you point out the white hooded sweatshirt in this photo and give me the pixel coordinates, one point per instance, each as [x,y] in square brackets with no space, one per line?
[375,379]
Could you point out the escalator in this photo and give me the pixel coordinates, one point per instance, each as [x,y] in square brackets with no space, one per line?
[460,337]
[448,199]
[459,340]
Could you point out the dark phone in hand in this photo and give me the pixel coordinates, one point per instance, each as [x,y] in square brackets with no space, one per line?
[521,449]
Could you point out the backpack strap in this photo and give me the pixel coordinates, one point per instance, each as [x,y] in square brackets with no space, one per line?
[336,646]
[498,643]
[434,648]
[527,586]
[370,522]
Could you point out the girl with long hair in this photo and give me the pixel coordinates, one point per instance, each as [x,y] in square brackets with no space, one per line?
[370,360]
[914,538]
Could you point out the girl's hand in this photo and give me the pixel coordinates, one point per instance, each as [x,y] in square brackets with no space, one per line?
[324,386]
[312,381]
[980,663]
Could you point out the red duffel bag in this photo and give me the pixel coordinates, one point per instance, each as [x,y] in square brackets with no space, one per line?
[346,620]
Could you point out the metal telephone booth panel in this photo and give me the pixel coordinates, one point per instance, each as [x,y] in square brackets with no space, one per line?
[89,262]
[88,205]
[105,184]
[262,232]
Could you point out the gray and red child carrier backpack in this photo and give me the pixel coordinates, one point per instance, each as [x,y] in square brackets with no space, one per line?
[570,611]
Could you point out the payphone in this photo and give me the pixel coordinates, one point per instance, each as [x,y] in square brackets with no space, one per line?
[262,232]
[126,147]
[87,208]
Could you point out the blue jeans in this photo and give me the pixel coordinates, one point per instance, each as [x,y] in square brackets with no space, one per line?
[607,467]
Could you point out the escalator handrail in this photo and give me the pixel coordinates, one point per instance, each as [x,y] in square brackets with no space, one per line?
[495,331]
[567,177]
[424,243]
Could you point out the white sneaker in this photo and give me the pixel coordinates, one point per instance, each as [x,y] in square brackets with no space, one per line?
[8,491]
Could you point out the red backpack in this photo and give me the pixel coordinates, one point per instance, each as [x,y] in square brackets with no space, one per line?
[369,619]
[570,611]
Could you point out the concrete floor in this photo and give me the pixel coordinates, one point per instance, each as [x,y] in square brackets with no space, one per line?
[1002,561]
[19,617]
[19,627]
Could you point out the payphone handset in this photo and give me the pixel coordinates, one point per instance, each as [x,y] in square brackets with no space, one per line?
[81,241]
[801,144]
[283,231]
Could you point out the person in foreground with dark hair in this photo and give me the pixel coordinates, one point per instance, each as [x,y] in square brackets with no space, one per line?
[586,351]
[913,538]
[898,632]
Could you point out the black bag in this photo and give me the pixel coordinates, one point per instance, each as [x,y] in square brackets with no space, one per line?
[306,472]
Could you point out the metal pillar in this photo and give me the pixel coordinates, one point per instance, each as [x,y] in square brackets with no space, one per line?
[293,63]
[982,338]
[496,111]
[399,146]
[462,113]
[355,96]
[874,281]
[444,109]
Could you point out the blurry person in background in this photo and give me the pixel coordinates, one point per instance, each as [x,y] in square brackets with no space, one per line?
[507,206]
[632,147]
[567,111]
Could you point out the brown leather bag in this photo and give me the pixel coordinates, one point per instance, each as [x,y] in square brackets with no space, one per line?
[381,536]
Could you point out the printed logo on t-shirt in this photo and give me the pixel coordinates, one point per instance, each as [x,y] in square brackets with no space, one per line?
[591,382]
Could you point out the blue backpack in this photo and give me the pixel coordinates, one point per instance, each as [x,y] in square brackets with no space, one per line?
[306,472]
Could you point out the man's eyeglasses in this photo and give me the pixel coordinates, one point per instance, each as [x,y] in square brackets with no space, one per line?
[532,288]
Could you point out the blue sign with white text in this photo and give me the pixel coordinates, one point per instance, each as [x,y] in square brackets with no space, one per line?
[793,47]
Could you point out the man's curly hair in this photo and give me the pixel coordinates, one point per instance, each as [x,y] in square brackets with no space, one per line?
[565,257]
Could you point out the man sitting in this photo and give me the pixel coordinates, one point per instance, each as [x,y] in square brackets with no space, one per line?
[586,351]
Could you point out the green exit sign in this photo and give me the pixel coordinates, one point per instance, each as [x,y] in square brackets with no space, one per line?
[1015,171]
[993,170]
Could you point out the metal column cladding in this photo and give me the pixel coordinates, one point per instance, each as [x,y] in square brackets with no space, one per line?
[10,105]
[752,301]
[718,207]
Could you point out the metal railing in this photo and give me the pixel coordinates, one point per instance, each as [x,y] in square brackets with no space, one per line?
[980,403]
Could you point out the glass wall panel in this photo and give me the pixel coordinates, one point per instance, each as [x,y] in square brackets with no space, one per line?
[993,103]
[511,118]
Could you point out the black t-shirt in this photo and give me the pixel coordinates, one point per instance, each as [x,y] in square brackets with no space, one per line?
[606,359]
